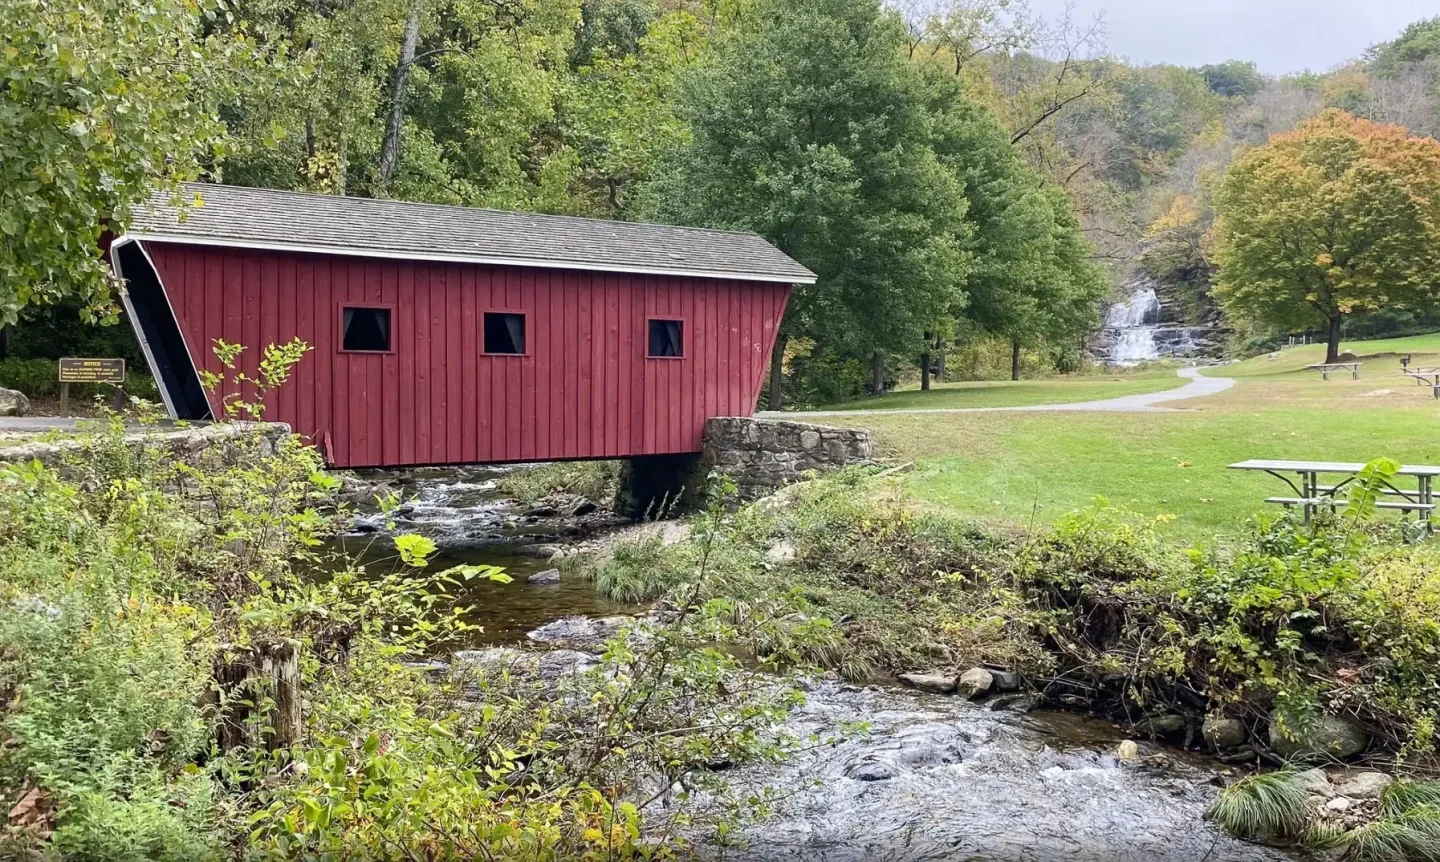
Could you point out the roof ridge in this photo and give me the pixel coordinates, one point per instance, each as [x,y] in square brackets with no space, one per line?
[463,208]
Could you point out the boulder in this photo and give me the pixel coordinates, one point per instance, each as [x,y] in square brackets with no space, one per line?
[1005,680]
[783,551]
[1339,803]
[1365,785]
[582,507]
[1129,750]
[13,403]
[1224,733]
[1314,782]
[1162,725]
[974,682]
[549,576]
[935,683]
[1331,736]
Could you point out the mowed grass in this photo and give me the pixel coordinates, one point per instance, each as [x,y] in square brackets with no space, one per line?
[1030,468]
[1021,393]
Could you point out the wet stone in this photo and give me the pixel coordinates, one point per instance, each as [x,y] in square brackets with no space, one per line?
[935,683]
[545,578]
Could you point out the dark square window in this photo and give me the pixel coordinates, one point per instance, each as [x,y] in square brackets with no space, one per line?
[667,338]
[504,332]
[365,329]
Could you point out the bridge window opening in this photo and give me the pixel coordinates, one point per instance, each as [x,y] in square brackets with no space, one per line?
[504,333]
[667,339]
[364,329]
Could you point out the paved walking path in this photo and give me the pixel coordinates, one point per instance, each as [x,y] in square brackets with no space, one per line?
[1198,387]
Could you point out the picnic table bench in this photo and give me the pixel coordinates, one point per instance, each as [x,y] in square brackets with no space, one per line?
[1313,496]
[1326,367]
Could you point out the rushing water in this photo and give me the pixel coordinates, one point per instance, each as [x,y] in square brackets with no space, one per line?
[934,778]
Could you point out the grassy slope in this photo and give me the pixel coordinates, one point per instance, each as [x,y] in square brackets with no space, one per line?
[1019,467]
[1022,393]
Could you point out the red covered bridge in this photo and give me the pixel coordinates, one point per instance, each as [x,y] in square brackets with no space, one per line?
[452,335]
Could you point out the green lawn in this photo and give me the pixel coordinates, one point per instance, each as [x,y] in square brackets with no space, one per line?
[1380,357]
[1022,468]
[1022,393]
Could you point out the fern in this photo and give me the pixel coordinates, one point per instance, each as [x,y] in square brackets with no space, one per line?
[1405,794]
[1269,805]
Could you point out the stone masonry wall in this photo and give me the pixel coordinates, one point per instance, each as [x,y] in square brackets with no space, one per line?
[193,443]
[764,455]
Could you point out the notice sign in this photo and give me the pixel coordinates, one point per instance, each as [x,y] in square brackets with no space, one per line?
[92,371]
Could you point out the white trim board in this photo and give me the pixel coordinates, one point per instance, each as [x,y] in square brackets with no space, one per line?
[397,254]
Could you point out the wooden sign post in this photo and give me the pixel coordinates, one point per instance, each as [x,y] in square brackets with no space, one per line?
[73,370]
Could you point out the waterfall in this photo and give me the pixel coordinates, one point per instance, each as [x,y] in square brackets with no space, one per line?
[1135,322]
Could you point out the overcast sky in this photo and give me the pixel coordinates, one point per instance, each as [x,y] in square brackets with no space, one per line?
[1279,35]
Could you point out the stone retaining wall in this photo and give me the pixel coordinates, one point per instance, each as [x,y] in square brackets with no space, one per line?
[764,455]
[195,443]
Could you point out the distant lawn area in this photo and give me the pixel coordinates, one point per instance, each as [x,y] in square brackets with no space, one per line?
[1023,468]
[1021,393]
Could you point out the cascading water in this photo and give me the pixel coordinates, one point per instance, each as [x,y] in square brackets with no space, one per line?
[1137,330]
[1135,322]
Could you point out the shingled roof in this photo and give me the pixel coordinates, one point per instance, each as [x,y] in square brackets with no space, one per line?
[293,221]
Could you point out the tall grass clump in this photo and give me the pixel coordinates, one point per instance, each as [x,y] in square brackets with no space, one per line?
[1270,805]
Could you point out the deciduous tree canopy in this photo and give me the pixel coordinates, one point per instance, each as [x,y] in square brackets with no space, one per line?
[1338,218]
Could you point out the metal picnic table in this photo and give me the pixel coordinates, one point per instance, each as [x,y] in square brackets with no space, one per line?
[1312,496]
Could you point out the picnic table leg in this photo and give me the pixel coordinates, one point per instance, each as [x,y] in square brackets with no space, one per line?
[1308,483]
[1324,374]
[1427,497]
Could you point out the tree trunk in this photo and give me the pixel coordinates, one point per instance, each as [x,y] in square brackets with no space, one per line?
[877,383]
[777,371]
[258,690]
[925,371]
[1332,346]
[940,359]
[4,341]
[1014,359]
[390,149]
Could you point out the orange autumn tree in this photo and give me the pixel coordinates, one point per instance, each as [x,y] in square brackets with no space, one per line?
[1337,218]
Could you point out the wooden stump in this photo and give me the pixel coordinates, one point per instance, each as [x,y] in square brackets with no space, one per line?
[258,688]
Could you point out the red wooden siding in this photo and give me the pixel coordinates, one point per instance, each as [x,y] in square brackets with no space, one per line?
[584,388]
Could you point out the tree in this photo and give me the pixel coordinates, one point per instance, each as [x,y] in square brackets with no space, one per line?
[101,104]
[1338,218]
[1234,79]
[811,129]
[1032,277]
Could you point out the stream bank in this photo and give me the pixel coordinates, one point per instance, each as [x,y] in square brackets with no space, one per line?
[931,778]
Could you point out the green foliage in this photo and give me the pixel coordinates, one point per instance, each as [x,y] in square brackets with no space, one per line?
[242,394]
[811,129]
[126,583]
[1268,805]
[1419,42]
[105,103]
[1335,219]
[40,378]
[1406,794]
[1233,78]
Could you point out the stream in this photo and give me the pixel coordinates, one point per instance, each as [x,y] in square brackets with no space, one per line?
[934,778]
